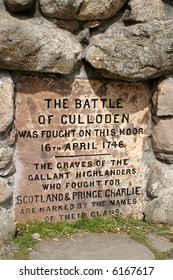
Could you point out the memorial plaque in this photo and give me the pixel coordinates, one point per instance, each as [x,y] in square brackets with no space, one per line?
[80,148]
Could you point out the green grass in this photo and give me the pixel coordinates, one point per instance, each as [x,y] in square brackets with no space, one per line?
[138,230]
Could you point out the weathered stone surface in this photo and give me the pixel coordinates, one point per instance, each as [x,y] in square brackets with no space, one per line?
[7,226]
[6,154]
[103,9]
[160,179]
[154,189]
[163,98]
[84,36]
[133,53]
[81,9]
[60,9]
[160,192]
[37,45]
[2,5]
[162,135]
[8,170]
[160,244]
[70,25]
[168,6]
[164,157]
[5,191]
[144,10]
[18,5]
[160,210]
[6,100]
[87,127]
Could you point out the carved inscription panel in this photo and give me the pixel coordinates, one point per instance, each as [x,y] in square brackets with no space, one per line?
[80,148]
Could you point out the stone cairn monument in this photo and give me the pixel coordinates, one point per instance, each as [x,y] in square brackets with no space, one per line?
[86,110]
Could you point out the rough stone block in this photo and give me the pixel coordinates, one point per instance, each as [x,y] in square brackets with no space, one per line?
[7,225]
[162,135]
[36,44]
[81,9]
[159,207]
[163,98]
[6,154]
[18,5]
[160,210]
[144,10]
[133,53]
[5,191]
[6,100]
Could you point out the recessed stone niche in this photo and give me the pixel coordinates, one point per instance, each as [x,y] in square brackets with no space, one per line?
[80,148]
